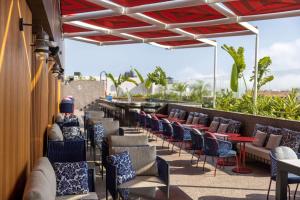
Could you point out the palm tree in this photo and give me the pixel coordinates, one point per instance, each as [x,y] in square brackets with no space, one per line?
[238,66]
[180,88]
[199,90]
[157,77]
[121,79]
[263,69]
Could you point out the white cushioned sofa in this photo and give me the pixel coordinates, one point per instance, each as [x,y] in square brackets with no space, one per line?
[42,185]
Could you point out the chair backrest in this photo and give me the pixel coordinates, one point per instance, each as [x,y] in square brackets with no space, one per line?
[142,117]
[66,151]
[178,131]
[148,121]
[211,146]
[203,119]
[154,124]
[280,153]
[190,118]
[167,128]
[197,139]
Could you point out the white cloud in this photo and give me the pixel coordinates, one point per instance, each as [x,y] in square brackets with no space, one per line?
[285,55]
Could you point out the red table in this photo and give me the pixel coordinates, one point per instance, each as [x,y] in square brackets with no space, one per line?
[160,116]
[241,165]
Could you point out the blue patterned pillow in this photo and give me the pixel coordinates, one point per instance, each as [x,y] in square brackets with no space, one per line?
[72,133]
[71,178]
[98,133]
[125,170]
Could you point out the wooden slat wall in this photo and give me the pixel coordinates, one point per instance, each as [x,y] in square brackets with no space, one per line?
[28,99]
[15,66]
[39,107]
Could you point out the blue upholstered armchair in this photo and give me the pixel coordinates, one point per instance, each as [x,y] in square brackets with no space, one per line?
[279,153]
[163,175]
[218,149]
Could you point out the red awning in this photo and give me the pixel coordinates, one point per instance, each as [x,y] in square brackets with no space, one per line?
[155,34]
[255,7]
[180,43]
[132,3]
[73,29]
[122,21]
[105,38]
[170,23]
[189,14]
[69,7]
[223,28]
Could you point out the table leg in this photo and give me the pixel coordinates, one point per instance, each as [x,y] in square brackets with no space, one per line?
[281,185]
[241,168]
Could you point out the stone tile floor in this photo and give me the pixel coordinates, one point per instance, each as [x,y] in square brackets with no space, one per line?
[189,182]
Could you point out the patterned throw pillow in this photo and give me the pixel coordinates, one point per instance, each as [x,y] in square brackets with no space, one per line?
[290,139]
[72,133]
[259,127]
[203,119]
[171,115]
[98,133]
[71,178]
[195,120]
[177,115]
[189,119]
[213,126]
[125,170]
[222,128]
[260,138]
[234,126]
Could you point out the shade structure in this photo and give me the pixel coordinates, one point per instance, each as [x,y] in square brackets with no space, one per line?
[169,24]
[142,21]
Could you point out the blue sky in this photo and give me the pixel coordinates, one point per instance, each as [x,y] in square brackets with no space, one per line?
[279,39]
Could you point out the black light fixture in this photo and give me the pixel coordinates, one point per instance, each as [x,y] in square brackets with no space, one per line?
[56,70]
[22,24]
[42,44]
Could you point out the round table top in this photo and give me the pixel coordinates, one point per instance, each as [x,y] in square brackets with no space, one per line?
[241,139]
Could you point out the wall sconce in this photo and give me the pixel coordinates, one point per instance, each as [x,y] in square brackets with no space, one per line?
[42,44]
[22,24]
[56,70]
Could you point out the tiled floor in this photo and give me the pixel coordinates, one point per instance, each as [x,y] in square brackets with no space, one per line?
[191,183]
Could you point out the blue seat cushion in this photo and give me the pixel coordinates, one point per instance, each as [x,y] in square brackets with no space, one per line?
[123,164]
[292,178]
[71,178]
[230,153]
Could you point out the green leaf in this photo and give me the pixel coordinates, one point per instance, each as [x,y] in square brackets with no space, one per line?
[139,75]
[234,80]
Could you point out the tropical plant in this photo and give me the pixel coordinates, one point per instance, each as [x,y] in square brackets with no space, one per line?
[180,88]
[199,90]
[157,77]
[262,73]
[238,66]
[121,79]
[139,75]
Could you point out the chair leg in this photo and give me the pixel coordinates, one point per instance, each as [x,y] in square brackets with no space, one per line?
[269,189]
[192,156]
[296,191]
[173,147]
[163,143]
[180,148]
[216,165]
[198,160]
[204,163]
[289,192]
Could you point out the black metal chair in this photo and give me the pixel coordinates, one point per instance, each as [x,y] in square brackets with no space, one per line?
[197,140]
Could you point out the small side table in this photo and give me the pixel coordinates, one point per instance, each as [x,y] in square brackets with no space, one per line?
[241,165]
